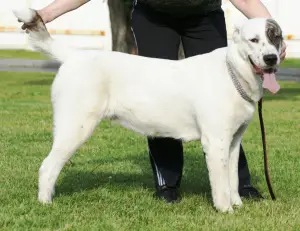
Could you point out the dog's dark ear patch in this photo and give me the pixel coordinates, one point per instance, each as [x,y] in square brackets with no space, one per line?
[274,33]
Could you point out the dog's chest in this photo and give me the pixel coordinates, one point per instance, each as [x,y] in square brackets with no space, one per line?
[243,113]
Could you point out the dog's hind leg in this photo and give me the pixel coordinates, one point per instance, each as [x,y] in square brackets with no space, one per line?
[72,128]
[217,159]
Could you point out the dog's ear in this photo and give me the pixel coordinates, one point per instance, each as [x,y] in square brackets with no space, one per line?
[236,33]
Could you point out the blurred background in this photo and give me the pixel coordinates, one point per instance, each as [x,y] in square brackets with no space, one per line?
[89,27]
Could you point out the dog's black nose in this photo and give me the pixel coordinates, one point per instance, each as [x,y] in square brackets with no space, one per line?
[270,60]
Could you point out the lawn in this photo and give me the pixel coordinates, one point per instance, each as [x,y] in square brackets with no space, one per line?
[109,184]
[290,63]
[23,54]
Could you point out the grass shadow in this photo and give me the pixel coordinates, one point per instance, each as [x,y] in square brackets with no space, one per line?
[194,181]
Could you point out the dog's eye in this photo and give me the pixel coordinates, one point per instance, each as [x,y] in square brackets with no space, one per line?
[254,40]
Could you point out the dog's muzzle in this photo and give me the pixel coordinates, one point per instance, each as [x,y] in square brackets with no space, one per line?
[267,75]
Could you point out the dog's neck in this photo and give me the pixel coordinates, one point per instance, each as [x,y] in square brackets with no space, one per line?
[243,72]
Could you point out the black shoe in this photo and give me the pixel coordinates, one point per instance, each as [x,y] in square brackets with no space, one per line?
[249,192]
[168,194]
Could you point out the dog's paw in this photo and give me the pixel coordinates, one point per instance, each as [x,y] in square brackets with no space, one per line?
[223,205]
[226,209]
[236,200]
[45,198]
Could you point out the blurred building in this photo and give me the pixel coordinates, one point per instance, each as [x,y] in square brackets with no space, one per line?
[89,26]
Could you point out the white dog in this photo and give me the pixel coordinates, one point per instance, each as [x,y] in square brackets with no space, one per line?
[208,97]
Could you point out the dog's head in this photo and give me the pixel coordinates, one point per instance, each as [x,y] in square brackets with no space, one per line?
[259,43]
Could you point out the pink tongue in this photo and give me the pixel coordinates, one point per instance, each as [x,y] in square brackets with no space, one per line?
[270,82]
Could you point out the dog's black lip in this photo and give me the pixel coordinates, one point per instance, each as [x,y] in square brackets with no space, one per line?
[264,70]
[252,63]
[270,70]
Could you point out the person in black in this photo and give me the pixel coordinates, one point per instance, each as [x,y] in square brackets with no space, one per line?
[159,27]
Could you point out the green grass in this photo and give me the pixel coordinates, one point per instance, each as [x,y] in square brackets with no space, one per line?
[22,54]
[291,63]
[109,184]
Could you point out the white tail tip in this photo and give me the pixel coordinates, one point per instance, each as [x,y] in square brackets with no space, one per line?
[25,15]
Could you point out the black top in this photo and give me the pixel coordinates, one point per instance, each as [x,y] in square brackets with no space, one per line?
[183,7]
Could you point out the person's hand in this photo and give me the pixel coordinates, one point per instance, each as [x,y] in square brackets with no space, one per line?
[44,15]
[283,51]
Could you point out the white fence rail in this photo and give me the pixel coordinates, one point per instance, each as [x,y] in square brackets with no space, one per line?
[87,27]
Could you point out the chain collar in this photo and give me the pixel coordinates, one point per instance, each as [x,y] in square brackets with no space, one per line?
[238,85]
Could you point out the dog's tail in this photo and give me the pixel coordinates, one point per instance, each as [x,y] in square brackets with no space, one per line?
[39,36]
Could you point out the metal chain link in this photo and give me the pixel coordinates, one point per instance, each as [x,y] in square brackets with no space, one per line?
[238,85]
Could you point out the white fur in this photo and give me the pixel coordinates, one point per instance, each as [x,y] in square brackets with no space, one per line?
[190,99]
[25,15]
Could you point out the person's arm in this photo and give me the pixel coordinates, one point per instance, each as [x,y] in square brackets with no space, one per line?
[58,8]
[251,8]
[255,9]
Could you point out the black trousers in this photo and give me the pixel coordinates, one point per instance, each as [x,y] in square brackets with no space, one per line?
[158,35]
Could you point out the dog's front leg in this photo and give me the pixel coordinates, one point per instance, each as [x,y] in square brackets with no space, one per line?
[233,167]
[217,159]
[233,175]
